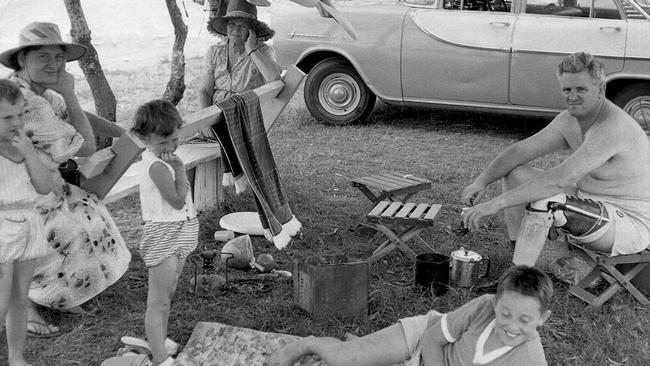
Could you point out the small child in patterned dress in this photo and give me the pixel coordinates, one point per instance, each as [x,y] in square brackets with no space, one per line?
[23,179]
[171,227]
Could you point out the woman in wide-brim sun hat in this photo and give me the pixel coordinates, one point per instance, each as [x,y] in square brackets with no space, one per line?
[38,34]
[86,252]
[239,62]
[239,9]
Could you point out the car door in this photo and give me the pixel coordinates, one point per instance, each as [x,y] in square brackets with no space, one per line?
[549,29]
[451,55]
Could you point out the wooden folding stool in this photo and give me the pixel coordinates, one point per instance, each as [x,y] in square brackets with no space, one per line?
[618,278]
[390,186]
[400,222]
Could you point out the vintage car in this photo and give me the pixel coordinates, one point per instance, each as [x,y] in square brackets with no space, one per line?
[485,55]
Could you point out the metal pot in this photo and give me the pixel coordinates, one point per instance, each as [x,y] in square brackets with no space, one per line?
[467,267]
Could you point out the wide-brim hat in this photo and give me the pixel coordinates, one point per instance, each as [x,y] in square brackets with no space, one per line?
[41,34]
[240,9]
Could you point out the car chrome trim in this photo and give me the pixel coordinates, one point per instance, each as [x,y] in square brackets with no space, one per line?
[457,44]
[548,53]
[484,106]
[637,58]
[304,35]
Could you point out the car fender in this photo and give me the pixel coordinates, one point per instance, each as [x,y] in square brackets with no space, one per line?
[302,37]
[313,55]
[626,76]
[618,81]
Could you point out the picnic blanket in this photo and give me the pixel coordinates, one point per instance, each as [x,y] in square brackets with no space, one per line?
[216,344]
[248,154]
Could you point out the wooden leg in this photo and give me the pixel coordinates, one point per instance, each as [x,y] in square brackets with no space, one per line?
[396,241]
[366,192]
[219,167]
[206,185]
[381,252]
[616,279]
[624,280]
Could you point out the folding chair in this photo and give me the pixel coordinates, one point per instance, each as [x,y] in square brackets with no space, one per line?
[610,269]
[400,222]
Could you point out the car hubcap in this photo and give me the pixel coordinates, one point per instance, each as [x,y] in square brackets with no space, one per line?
[339,94]
[639,109]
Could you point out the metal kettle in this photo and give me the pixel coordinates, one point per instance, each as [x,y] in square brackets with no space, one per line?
[467,267]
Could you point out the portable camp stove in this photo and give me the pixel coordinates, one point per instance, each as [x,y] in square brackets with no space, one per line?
[208,270]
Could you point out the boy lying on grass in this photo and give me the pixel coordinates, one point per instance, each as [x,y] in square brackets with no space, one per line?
[490,330]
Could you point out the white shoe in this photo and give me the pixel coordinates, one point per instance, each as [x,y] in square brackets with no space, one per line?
[170,346]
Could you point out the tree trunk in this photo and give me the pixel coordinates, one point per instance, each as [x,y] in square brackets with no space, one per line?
[105,103]
[176,84]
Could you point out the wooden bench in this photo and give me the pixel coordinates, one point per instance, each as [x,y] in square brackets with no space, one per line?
[109,175]
[199,160]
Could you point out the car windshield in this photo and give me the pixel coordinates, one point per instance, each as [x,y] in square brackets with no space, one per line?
[645,4]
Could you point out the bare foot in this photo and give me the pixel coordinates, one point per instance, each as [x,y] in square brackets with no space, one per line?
[36,325]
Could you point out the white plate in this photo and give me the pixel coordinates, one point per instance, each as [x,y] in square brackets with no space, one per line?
[242,222]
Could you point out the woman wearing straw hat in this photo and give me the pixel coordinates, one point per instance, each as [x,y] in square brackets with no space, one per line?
[86,251]
[241,61]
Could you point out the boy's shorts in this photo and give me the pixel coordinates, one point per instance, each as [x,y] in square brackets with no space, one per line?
[22,236]
[414,327]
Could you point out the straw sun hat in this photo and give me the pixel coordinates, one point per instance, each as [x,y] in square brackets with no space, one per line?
[41,34]
[240,9]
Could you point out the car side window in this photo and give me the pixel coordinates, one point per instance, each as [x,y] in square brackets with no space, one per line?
[603,9]
[478,5]
[606,9]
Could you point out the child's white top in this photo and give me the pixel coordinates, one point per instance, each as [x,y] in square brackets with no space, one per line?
[154,206]
[16,189]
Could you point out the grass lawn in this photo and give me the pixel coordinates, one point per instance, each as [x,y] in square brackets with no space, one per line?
[313,161]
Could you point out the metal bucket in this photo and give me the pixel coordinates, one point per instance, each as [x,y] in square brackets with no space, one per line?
[432,271]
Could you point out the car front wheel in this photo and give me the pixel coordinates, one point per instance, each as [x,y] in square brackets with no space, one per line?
[635,100]
[335,94]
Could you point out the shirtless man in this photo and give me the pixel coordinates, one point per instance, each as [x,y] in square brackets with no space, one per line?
[609,163]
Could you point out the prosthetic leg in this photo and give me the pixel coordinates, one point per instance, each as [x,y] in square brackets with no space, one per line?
[584,220]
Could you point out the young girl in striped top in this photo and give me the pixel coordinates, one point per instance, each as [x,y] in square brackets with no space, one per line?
[23,180]
[171,227]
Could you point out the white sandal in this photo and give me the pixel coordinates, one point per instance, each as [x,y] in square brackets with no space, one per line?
[170,346]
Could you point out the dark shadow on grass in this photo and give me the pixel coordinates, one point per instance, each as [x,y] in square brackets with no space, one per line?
[455,121]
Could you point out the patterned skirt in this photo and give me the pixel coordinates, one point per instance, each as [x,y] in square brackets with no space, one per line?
[85,251]
[162,240]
